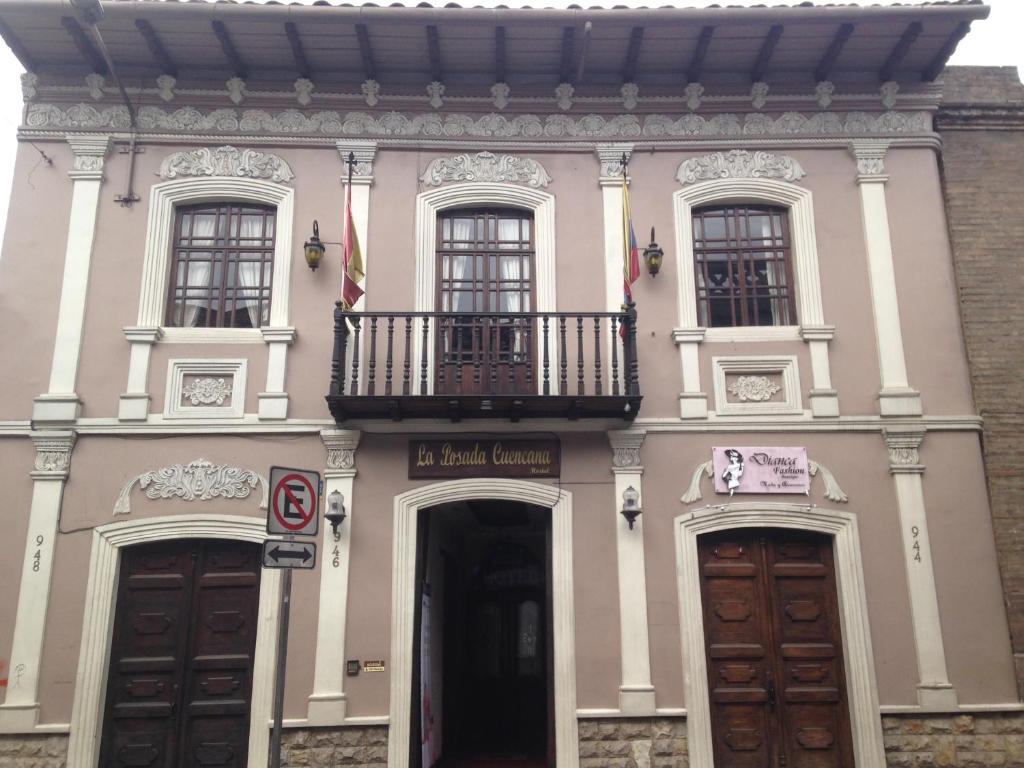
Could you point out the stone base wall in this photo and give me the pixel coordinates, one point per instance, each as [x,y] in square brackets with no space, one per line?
[365,746]
[658,742]
[954,741]
[30,751]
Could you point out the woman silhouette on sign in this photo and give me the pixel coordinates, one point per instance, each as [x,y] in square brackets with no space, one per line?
[734,471]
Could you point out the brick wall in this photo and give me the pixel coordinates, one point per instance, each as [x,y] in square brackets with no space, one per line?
[982,128]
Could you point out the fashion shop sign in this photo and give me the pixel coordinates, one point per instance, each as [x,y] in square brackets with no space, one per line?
[743,469]
[484,458]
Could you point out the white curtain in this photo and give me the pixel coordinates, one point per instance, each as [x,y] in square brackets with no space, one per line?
[198,277]
[249,271]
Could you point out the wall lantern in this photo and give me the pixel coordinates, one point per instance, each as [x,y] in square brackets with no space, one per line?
[653,256]
[335,510]
[314,248]
[631,505]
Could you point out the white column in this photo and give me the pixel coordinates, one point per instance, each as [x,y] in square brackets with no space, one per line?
[824,399]
[933,688]
[636,693]
[60,403]
[134,403]
[693,403]
[327,703]
[20,711]
[611,181]
[362,179]
[273,403]
[896,397]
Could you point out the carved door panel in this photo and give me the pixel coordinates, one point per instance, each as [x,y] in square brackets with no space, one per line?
[181,656]
[774,652]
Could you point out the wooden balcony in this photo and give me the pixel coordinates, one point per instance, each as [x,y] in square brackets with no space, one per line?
[521,365]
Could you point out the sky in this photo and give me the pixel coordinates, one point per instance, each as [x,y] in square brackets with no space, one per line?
[995,41]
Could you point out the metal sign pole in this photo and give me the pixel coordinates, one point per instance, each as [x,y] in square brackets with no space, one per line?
[282,657]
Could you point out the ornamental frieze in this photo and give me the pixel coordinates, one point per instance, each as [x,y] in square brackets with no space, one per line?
[226,161]
[486,166]
[739,164]
[292,122]
[199,480]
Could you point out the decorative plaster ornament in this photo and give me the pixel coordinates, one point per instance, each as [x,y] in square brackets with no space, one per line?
[236,89]
[165,84]
[630,92]
[833,492]
[500,92]
[53,453]
[823,91]
[563,96]
[889,90]
[292,122]
[739,164]
[435,91]
[207,391]
[341,458]
[226,161]
[95,81]
[759,94]
[626,456]
[486,166]
[693,93]
[371,90]
[304,90]
[199,480]
[754,388]
[29,82]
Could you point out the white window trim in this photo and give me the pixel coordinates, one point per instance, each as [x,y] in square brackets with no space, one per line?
[164,197]
[475,194]
[179,368]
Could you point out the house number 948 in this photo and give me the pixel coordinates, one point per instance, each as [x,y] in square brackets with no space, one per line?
[37,557]
[916,546]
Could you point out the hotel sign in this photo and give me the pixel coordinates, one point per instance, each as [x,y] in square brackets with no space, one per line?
[430,459]
[742,469]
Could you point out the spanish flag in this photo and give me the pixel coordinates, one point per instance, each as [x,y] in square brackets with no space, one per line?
[353,258]
[630,252]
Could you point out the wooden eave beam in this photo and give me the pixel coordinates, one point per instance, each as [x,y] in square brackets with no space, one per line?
[499,54]
[765,55]
[156,48]
[636,39]
[230,52]
[899,51]
[568,37]
[84,45]
[366,51]
[842,37]
[434,52]
[19,50]
[700,53]
[298,52]
[937,64]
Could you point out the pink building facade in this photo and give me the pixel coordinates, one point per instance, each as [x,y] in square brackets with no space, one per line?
[538,562]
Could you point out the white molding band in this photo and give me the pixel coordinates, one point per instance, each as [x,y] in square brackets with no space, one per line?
[896,397]
[61,403]
[636,693]
[429,204]
[862,691]
[933,687]
[327,703]
[810,313]
[20,711]
[98,623]
[403,597]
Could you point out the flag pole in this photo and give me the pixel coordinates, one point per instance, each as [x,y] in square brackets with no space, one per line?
[350,161]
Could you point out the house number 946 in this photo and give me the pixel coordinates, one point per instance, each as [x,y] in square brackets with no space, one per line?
[916,546]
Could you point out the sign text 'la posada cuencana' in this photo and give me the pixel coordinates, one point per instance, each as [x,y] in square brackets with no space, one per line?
[484,458]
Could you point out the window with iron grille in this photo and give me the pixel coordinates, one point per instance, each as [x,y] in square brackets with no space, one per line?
[222,266]
[743,261]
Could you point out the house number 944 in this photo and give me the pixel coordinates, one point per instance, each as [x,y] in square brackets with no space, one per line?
[916,546]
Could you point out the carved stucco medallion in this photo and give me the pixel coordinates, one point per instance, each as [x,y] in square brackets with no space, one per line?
[486,166]
[207,391]
[753,388]
[200,480]
[226,161]
[739,164]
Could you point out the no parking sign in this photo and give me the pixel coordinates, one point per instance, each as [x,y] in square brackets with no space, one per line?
[294,502]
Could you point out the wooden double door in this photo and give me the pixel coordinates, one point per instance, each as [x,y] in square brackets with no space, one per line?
[774,651]
[181,661]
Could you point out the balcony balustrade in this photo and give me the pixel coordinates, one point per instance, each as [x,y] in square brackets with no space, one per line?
[514,365]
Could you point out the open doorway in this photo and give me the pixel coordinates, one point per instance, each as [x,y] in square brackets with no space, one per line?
[482,694]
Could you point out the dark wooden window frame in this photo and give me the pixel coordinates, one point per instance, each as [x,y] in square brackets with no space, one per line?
[749,302]
[225,300]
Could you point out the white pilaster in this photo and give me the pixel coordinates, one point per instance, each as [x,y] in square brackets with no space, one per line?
[693,403]
[896,397]
[824,399]
[134,404]
[327,703]
[20,711]
[636,693]
[273,403]
[611,180]
[362,179]
[933,689]
[60,403]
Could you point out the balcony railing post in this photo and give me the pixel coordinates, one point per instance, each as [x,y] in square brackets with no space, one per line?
[615,354]
[631,363]
[408,355]
[389,364]
[371,371]
[355,354]
[424,355]
[547,360]
[597,356]
[340,349]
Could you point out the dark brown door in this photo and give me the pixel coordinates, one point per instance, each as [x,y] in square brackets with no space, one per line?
[774,651]
[485,275]
[181,659]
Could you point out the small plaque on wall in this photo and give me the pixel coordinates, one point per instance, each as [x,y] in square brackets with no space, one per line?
[430,459]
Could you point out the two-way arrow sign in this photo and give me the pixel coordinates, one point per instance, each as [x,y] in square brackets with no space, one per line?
[281,553]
